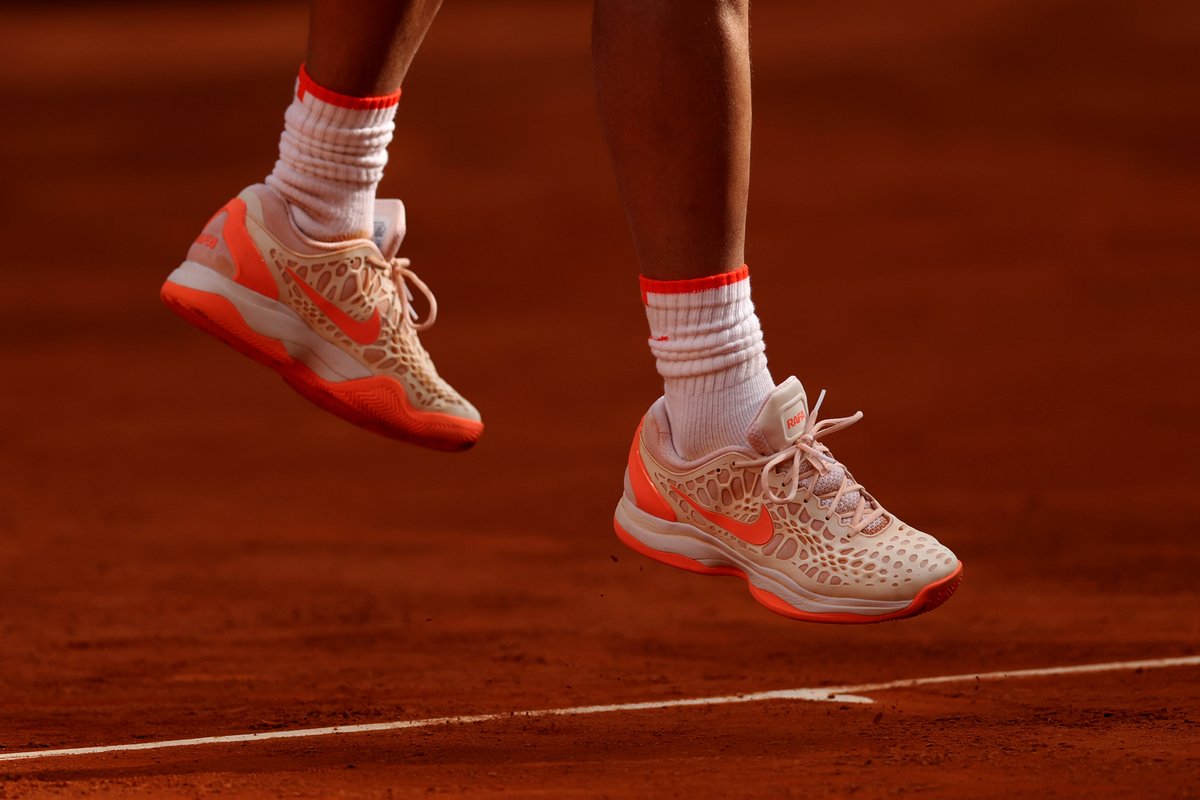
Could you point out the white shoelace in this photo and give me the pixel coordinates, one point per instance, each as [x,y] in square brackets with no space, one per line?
[399,270]
[810,458]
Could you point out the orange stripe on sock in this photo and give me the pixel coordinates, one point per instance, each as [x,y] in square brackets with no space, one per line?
[692,285]
[309,86]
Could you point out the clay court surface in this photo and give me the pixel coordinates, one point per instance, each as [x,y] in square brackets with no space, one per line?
[974,221]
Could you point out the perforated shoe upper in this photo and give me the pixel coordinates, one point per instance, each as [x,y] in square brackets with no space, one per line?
[826,532]
[355,294]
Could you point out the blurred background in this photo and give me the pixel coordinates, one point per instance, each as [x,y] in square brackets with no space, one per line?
[977,222]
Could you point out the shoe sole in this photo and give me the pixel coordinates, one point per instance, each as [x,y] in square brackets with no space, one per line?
[929,598]
[374,402]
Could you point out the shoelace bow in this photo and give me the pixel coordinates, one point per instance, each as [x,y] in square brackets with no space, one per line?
[399,270]
[811,458]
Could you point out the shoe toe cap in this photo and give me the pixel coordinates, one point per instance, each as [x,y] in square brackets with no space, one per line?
[925,561]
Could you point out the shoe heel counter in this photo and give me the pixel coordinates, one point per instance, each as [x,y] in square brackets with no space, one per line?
[227,247]
[646,495]
[210,249]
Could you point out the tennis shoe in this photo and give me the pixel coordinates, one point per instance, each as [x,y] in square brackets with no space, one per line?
[785,515]
[335,319]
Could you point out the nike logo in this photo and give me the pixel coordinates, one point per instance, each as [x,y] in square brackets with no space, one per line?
[364,332]
[758,532]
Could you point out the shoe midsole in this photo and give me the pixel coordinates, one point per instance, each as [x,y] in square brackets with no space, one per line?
[697,544]
[273,319]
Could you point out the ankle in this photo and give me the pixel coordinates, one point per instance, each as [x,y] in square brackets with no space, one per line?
[331,158]
[709,350]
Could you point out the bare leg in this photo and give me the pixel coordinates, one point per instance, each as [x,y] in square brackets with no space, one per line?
[334,145]
[364,48]
[673,84]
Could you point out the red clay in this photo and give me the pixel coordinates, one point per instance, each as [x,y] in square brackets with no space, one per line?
[993,204]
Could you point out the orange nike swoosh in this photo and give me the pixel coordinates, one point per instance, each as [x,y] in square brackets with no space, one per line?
[758,532]
[364,332]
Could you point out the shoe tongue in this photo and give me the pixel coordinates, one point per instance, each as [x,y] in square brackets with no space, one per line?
[781,422]
[782,418]
[389,228]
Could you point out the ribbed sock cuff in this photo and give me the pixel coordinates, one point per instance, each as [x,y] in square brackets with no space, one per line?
[691,285]
[306,85]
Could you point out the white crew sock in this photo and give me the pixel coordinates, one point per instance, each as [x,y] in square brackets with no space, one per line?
[710,353]
[331,158]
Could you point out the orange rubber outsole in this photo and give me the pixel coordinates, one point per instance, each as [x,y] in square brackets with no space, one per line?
[378,403]
[927,599]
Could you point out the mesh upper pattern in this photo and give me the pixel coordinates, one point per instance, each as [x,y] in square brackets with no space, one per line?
[358,288]
[808,547]
[828,483]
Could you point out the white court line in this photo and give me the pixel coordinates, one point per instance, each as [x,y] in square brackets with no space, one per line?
[831,694]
